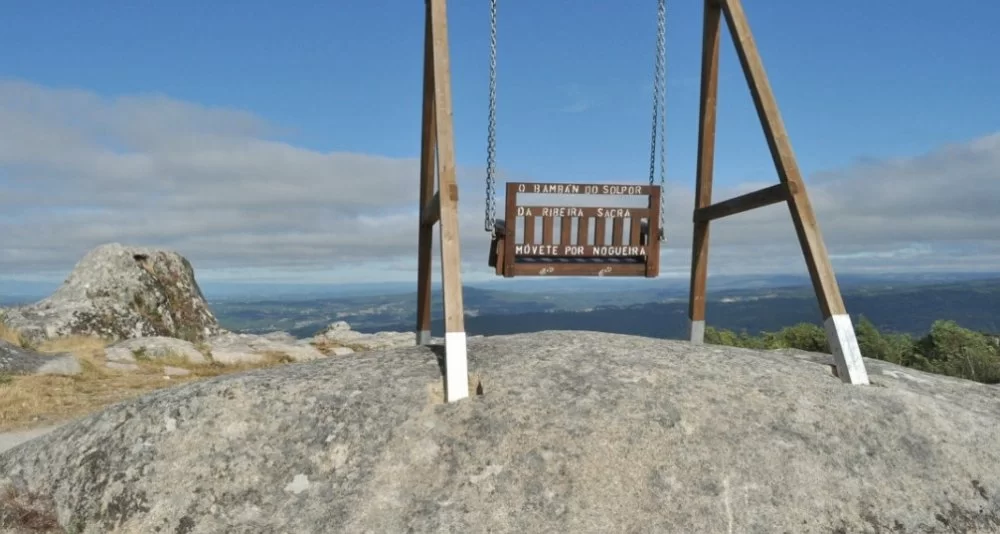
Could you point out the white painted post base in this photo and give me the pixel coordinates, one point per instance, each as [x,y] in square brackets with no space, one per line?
[456,366]
[423,337]
[846,352]
[696,331]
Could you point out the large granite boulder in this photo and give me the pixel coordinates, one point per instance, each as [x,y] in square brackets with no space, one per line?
[569,432]
[15,360]
[119,292]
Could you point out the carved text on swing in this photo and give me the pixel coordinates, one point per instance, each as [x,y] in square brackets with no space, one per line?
[568,211]
[583,189]
[623,251]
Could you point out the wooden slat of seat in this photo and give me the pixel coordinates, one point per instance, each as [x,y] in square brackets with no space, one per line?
[548,227]
[582,230]
[566,231]
[600,231]
[635,231]
[529,230]
[617,231]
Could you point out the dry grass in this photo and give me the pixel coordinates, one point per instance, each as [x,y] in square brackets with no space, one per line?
[324,346]
[38,400]
[9,335]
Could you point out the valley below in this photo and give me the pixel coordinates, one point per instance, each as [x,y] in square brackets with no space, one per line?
[649,308]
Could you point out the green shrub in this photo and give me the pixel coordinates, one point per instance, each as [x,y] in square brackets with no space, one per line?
[947,349]
[956,351]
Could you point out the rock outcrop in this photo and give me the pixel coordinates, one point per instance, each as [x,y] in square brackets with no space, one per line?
[154,348]
[339,334]
[227,349]
[16,360]
[234,349]
[569,432]
[119,292]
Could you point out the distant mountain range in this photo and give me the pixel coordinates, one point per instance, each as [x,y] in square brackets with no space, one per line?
[656,308]
[17,292]
[901,302]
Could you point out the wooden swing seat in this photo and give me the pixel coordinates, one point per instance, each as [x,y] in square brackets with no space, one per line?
[583,247]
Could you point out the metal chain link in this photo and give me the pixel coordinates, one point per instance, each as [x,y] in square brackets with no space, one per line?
[656,111]
[659,118]
[659,111]
[491,136]
[661,49]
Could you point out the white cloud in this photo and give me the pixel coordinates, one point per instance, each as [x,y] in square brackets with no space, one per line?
[577,101]
[219,186]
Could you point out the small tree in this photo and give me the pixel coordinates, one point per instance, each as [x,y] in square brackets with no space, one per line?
[960,352]
[803,336]
[721,336]
[893,348]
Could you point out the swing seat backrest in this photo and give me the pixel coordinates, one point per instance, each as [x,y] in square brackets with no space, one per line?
[559,240]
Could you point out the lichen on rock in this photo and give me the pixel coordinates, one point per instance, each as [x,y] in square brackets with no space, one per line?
[569,432]
[340,335]
[155,348]
[119,292]
[16,360]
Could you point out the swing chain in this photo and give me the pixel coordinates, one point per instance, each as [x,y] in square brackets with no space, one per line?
[659,119]
[659,110]
[491,136]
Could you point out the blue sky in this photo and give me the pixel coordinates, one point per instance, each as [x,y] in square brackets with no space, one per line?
[859,84]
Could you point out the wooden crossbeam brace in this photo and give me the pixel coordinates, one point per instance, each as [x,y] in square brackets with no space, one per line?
[757,199]
[839,329]
[441,208]
[431,213]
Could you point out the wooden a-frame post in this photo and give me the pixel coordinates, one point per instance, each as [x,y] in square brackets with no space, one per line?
[440,207]
[791,189]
